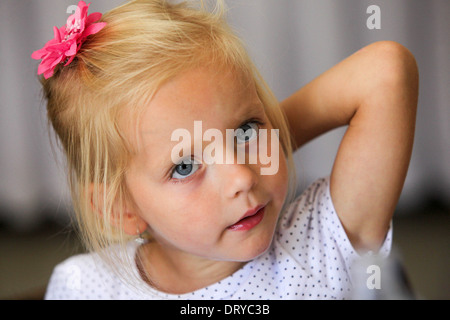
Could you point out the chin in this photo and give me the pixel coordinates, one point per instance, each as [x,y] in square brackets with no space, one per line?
[254,250]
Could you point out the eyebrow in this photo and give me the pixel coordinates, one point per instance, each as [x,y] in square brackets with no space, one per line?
[251,110]
[255,108]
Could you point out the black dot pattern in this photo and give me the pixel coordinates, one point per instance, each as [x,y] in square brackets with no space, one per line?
[309,258]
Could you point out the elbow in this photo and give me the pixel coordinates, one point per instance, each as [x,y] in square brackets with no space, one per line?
[396,64]
[394,68]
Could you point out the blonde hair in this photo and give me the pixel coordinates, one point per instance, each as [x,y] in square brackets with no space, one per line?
[117,71]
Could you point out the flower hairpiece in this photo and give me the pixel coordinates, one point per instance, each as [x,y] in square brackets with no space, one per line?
[68,39]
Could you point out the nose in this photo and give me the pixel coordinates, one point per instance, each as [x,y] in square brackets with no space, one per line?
[237,179]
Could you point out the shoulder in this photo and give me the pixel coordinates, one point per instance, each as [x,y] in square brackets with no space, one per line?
[310,224]
[314,203]
[313,208]
[84,277]
[74,277]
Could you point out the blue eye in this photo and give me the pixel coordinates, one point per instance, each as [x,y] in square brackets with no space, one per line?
[247,132]
[185,169]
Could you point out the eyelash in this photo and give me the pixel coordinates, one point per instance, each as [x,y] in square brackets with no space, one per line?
[189,178]
[185,180]
[258,122]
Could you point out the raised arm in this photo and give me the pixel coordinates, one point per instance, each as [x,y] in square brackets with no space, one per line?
[374,92]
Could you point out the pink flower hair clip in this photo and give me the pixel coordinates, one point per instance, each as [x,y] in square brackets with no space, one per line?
[68,40]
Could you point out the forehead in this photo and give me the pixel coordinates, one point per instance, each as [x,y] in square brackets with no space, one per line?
[198,91]
[217,98]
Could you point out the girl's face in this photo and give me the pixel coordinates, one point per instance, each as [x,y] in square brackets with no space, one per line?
[197,208]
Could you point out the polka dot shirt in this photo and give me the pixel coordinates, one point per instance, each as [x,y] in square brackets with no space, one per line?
[310,258]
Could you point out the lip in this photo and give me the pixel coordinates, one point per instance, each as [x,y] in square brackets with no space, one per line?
[250,219]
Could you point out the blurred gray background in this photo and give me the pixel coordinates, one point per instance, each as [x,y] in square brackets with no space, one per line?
[292,42]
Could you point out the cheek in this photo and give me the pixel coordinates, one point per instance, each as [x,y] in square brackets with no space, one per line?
[193,230]
[183,219]
[279,181]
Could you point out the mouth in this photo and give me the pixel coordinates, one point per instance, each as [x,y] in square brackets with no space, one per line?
[250,219]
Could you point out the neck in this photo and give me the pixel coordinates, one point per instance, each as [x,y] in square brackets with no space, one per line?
[176,272]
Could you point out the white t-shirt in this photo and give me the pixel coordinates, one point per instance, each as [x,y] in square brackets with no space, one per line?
[310,258]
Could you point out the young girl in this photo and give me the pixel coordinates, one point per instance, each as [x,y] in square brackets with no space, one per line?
[120,85]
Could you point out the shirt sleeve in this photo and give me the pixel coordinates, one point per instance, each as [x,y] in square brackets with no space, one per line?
[311,231]
[335,226]
[81,277]
[90,277]
[65,282]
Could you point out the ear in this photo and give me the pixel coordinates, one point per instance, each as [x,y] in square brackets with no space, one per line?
[126,218]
